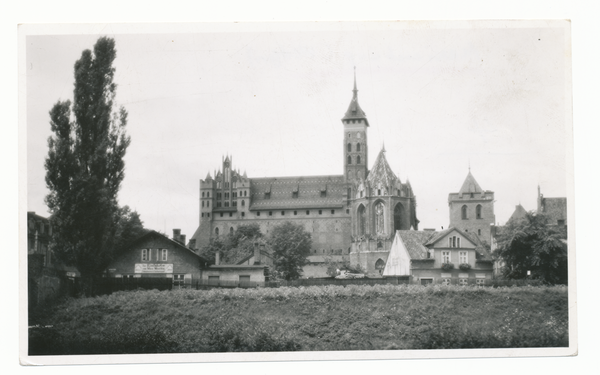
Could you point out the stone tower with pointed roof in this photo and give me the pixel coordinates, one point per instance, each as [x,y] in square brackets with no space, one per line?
[472,209]
[355,140]
[352,215]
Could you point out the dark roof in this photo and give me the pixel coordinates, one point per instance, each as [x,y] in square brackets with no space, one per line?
[518,214]
[309,190]
[153,233]
[354,111]
[470,185]
[382,172]
[414,241]
[263,253]
[555,209]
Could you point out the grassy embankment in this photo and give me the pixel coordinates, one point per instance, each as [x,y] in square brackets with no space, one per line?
[313,318]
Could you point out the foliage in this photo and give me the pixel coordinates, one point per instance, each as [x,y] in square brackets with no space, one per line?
[85,167]
[355,317]
[530,244]
[291,246]
[464,266]
[356,268]
[129,228]
[334,266]
[447,266]
[234,247]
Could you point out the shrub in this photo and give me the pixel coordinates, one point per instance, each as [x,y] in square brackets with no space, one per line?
[447,266]
[464,266]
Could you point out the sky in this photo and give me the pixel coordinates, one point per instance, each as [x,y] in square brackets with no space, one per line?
[442,97]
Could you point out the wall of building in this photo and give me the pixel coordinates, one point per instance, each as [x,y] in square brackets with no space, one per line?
[232,274]
[471,224]
[183,260]
[454,275]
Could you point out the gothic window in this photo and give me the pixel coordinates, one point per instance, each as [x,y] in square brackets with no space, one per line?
[379,245]
[464,212]
[243,203]
[202,194]
[362,220]
[359,174]
[478,211]
[202,203]
[358,159]
[398,216]
[349,147]
[358,146]
[208,194]
[349,159]
[378,191]
[379,221]
[234,203]
[217,232]
[245,192]
[208,204]
[380,265]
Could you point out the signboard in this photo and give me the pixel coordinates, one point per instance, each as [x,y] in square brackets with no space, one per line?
[154,268]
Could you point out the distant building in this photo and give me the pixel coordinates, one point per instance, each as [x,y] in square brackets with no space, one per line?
[39,232]
[447,257]
[554,208]
[355,213]
[518,214]
[472,209]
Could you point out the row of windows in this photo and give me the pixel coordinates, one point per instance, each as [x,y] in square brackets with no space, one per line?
[463,257]
[464,282]
[244,193]
[358,134]
[296,212]
[161,254]
[453,241]
[349,159]
[322,194]
[464,212]
[349,147]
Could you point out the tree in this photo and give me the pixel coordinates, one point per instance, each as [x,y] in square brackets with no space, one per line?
[85,167]
[531,244]
[234,247]
[129,228]
[291,246]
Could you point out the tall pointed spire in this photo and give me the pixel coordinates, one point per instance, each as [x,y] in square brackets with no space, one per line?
[354,111]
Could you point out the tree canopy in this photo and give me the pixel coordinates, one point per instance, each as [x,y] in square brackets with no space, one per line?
[234,247]
[531,244]
[85,167]
[290,245]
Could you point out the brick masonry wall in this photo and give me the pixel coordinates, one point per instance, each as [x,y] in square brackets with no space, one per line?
[472,224]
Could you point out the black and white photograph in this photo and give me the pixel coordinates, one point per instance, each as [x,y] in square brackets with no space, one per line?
[295,191]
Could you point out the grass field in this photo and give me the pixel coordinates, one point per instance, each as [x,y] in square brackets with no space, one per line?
[312,318]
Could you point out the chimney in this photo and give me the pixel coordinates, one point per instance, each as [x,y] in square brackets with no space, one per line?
[176,233]
[192,243]
[256,253]
[217,258]
[182,239]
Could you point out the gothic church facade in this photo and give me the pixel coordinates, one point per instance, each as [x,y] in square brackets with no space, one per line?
[355,214]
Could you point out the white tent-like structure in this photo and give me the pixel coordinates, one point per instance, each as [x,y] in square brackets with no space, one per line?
[398,263]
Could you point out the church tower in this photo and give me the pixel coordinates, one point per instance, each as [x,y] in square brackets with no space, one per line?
[472,209]
[355,140]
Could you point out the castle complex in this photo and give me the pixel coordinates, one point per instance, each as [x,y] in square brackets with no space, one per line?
[356,213]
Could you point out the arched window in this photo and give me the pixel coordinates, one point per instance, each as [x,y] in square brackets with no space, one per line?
[208,204]
[358,159]
[349,159]
[362,220]
[358,147]
[202,194]
[398,217]
[349,147]
[243,203]
[463,211]
[478,211]
[379,221]
[202,203]
[231,231]
[217,232]
[380,265]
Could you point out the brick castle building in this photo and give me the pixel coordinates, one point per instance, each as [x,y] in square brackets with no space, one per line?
[353,214]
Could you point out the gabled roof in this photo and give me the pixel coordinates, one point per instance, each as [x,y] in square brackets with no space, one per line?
[439,235]
[382,172]
[354,111]
[518,214]
[153,233]
[415,241]
[470,185]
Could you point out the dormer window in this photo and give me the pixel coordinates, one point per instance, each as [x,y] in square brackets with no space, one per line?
[294,194]
[267,195]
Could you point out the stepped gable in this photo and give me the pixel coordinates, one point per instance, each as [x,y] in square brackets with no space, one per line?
[381,174]
[297,192]
[518,214]
[415,240]
[470,185]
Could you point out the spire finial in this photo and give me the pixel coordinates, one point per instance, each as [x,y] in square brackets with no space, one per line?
[469,165]
[383,146]
[355,90]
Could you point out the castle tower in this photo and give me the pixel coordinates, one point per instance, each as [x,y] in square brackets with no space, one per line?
[472,209]
[355,140]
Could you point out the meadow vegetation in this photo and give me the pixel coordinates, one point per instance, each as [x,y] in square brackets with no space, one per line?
[354,317]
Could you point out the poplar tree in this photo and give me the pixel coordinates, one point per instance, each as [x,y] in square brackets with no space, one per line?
[291,246]
[85,167]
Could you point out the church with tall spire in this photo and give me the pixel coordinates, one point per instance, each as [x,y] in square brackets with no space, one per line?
[352,216]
